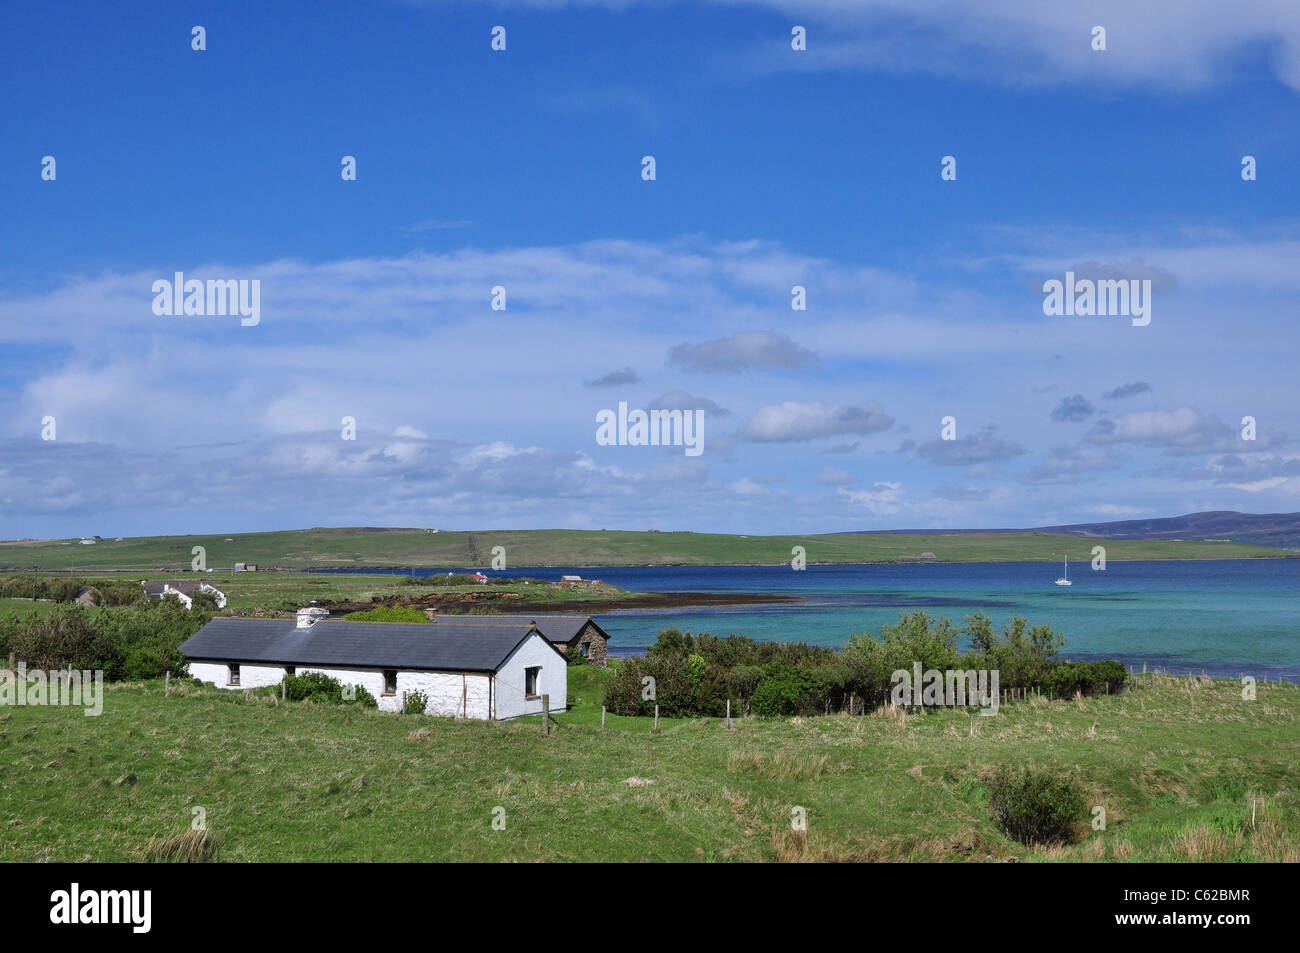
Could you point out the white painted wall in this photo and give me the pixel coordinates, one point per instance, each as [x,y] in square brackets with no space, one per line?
[250,676]
[553,679]
[446,690]
[450,693]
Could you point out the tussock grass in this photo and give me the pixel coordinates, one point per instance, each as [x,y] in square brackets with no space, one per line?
[781,766]
[192,847]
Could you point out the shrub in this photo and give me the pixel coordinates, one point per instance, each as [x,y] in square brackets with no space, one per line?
[787,690]
[1109,675]
[574,656]
[743,679]
[201,599]
[65,637]
[326,690]
[417,702]
[675,691]
[362,697]
[388,614]
[696,674]
[148,636]
[121,593]
[696,667]
[1089,678]
[63,590]
[1036,807]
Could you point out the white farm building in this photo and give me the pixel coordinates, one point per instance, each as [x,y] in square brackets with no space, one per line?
[487,672]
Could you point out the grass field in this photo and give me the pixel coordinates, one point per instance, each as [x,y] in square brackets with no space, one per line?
[1175,763]
[287,591]
[401,548]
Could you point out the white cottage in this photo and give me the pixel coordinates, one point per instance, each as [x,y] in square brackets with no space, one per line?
[495,673]
[183,590]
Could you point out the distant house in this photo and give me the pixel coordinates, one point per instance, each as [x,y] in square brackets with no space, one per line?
[88,542]
[245,567]
[579,632]
[88,596]
[486,672]
[183,590]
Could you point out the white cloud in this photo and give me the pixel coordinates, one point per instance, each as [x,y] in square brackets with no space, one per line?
[806,420]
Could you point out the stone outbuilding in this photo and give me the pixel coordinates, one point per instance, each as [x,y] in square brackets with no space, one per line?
[580,632]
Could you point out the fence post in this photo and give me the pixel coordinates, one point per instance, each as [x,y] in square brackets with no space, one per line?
[728,712]
[602,717]
[656,716]
[167,681]
[282,685]
[546,715]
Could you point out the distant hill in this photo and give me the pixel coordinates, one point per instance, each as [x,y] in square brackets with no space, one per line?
[1259,529]
[361,548]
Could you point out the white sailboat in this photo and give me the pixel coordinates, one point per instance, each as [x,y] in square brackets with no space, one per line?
[1065,580]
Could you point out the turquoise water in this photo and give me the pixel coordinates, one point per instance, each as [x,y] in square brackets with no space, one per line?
[1222,616]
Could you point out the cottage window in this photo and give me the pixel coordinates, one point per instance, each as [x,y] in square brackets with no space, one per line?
[390,681]
[586,649]
[530,681]
[234,675]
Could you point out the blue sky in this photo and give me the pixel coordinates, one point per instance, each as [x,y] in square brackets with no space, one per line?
[522,169]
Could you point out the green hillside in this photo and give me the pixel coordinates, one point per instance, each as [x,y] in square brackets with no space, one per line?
[381,548]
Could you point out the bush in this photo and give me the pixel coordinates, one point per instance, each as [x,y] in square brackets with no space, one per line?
[1088,678]
[743,679]
[148,636]
[675,691]
[696,667]
[417,703]
[695,675]
[65,637]
[1035,807]
[122,593]
[63,590]
[574,656]
[326,690]
[787,690]
[388,614]
[201,599]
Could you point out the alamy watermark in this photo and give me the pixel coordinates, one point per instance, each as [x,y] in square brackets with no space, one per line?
[129,907]
[655,428]
[57,687]
[1104,296]
[952,688]
[241,297]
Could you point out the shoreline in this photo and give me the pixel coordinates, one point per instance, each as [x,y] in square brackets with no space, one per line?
[394,570]
[640,600]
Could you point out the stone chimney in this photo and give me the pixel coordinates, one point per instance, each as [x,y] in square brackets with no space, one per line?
[311,615]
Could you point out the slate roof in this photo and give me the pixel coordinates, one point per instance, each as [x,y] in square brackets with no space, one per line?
[440,647]
[557,628]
